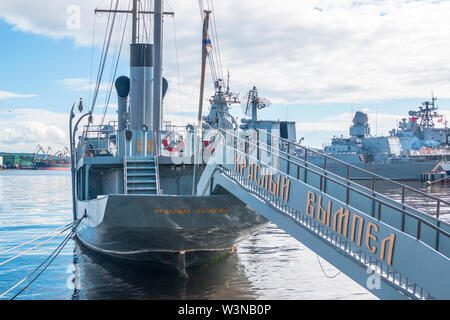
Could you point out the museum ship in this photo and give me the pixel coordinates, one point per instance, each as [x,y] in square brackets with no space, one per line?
[135,180]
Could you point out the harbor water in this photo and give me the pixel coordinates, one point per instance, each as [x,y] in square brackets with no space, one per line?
[268,265]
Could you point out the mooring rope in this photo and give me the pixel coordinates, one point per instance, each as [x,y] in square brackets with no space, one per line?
[431,182]
[36,246]
[327,276]
[55,253]
[37,238]
[59,249]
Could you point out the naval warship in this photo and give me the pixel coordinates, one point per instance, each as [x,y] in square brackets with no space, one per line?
[134,179]
[415,147]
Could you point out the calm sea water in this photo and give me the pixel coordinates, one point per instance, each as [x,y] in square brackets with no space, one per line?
[268,265]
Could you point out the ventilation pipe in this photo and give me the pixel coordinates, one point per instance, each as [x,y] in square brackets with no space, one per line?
[123,89]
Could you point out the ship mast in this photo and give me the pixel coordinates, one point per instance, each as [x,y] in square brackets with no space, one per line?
[135,15]
[157,71]
[134,31]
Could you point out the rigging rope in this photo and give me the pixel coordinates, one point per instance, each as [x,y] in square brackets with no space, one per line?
[214,58]
[177,63]
[219,58]
[103,59]
[214,55]
[115,44]
[92,60]
[116,66]
[104,42]
[150,17]
[142,8]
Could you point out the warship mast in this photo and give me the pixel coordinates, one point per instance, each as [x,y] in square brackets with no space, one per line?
[426,113]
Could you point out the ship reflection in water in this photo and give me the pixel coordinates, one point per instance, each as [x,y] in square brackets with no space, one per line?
[103,277]
[269,265]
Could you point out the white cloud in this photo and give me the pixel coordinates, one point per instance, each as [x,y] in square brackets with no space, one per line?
[346,51]
[110,106]
[296,52]
[9,95]
[82,84]
[47,18]
[23,129]
[180,119]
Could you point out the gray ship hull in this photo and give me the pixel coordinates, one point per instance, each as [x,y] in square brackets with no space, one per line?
[159,228]
[398,171]
[394,171]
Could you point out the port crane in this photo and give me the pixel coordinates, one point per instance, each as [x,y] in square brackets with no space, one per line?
[48,153]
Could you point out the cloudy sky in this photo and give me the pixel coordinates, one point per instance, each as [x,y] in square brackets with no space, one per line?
[318,61]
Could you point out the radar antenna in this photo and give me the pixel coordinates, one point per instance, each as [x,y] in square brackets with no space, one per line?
[253,102]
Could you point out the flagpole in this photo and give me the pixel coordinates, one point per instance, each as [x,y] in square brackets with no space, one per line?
[204,54]
[197,144]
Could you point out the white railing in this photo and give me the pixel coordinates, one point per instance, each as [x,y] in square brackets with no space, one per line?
[98,141]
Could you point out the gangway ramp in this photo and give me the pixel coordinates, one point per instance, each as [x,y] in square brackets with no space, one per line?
[390,248]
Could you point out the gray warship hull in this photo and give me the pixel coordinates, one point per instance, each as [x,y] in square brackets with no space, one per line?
[394,171]
[158,228]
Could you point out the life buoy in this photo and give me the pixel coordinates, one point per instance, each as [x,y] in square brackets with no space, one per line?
[173,142]
[206,143]
[90,151]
